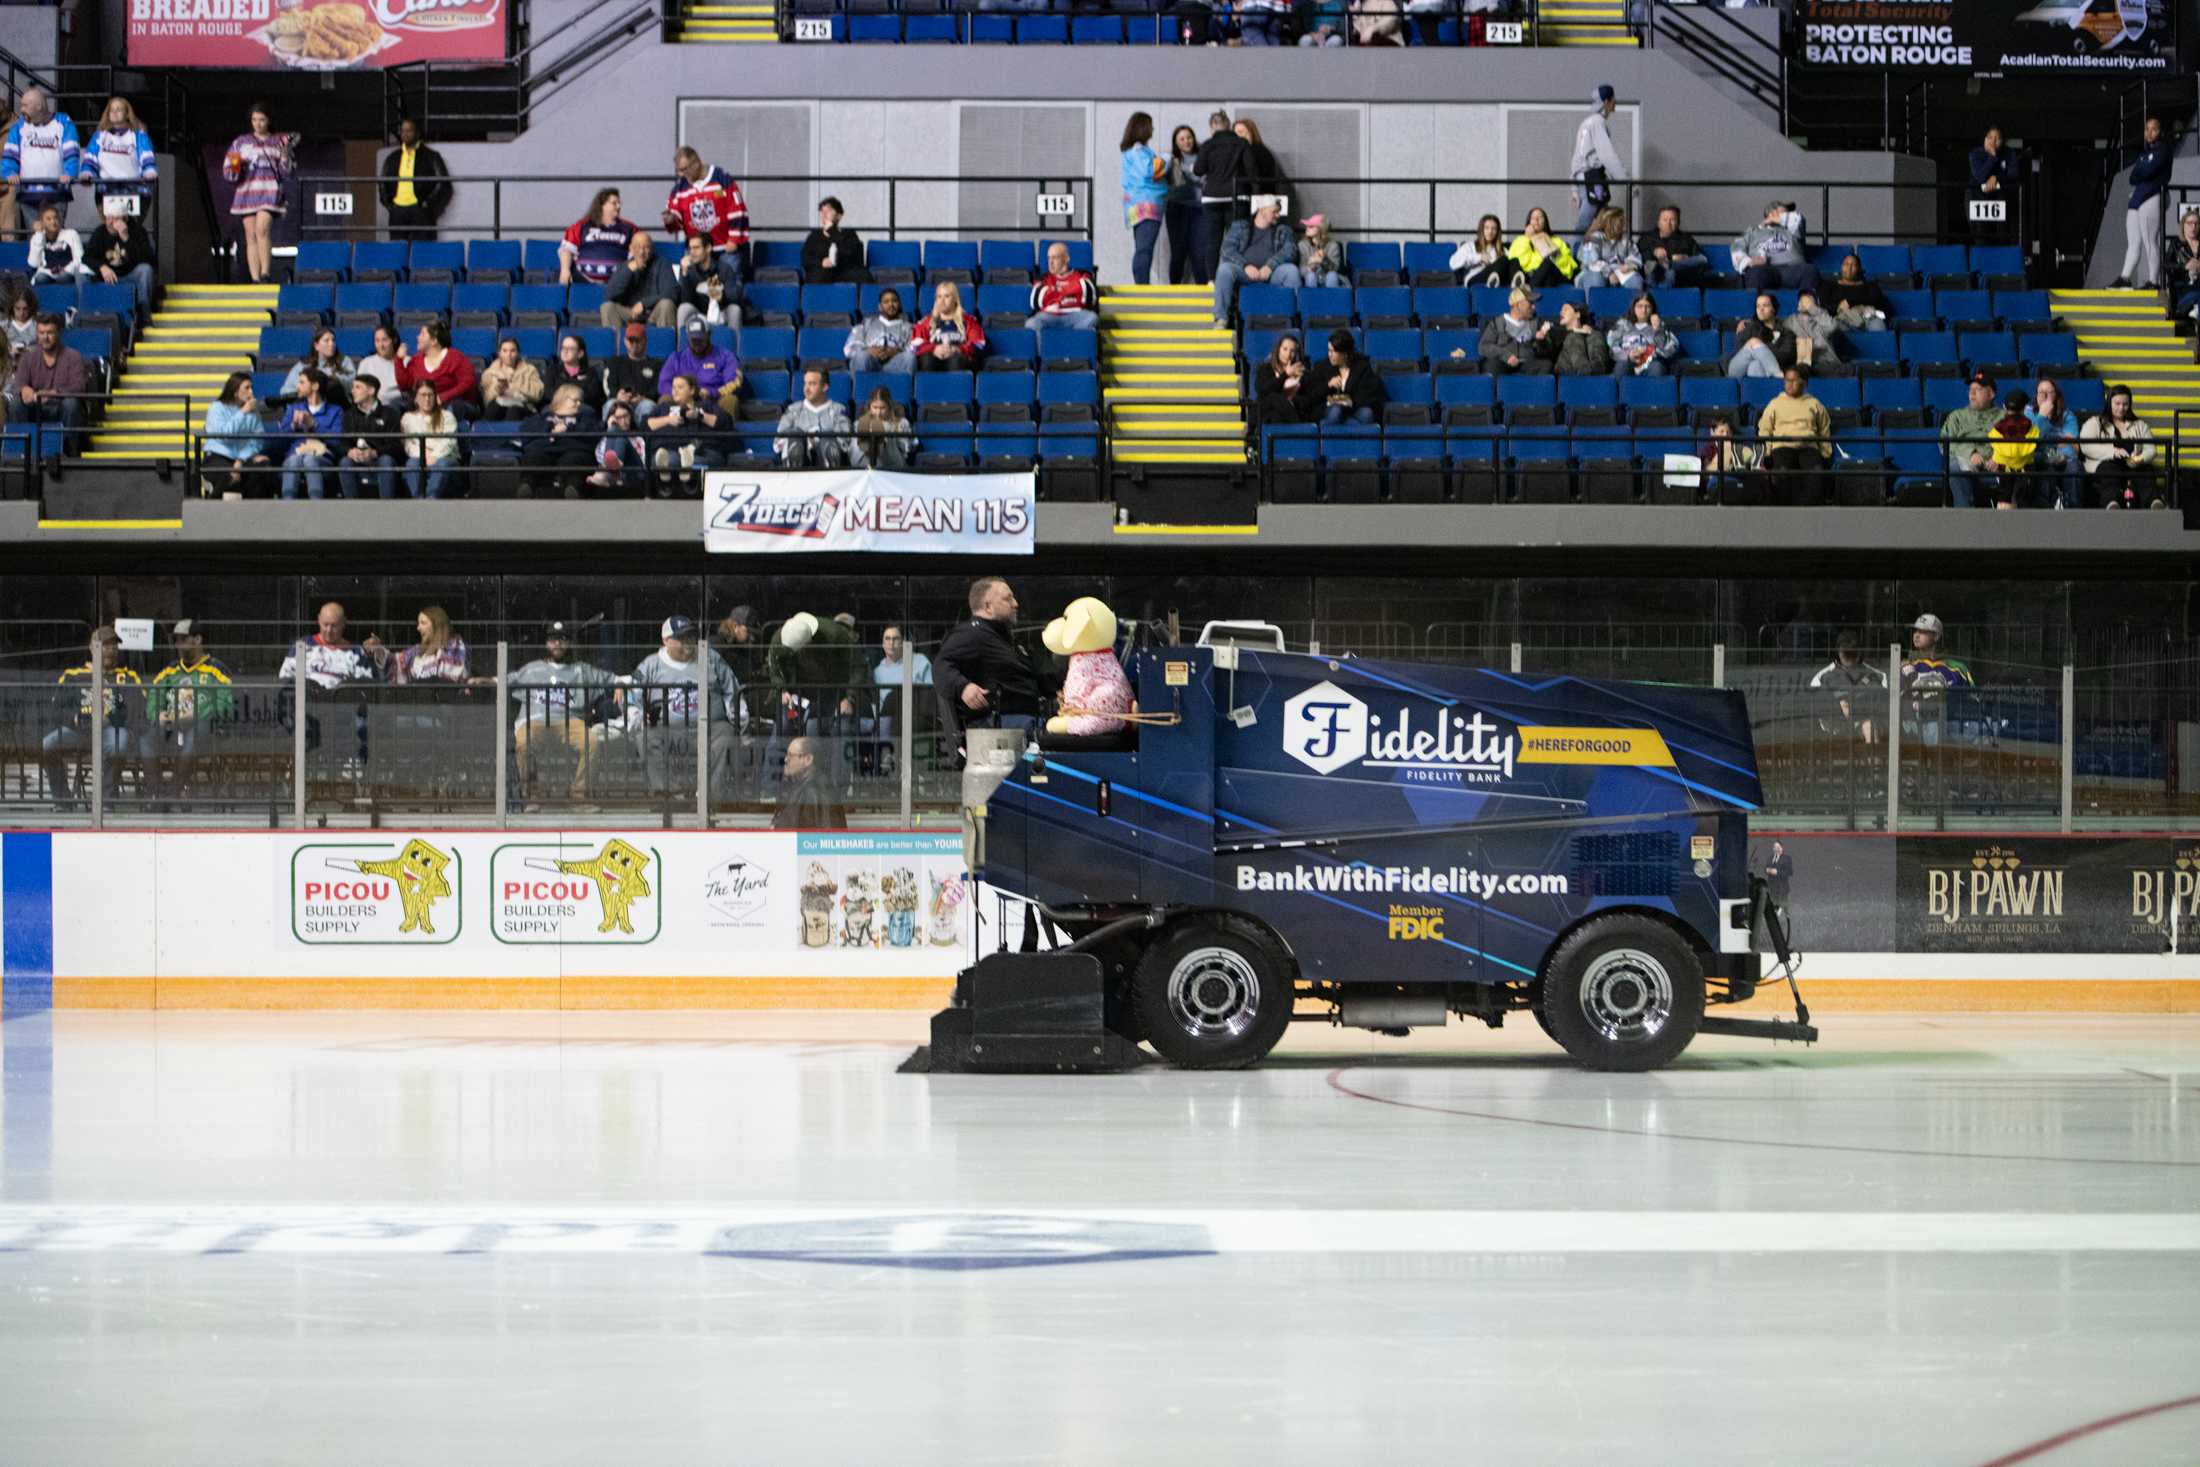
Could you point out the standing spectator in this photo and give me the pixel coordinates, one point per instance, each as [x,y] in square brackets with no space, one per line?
[416,187]
[2119,453]
[805,801]
[813,432]
[1966,435]
[437,363]
[2058,444]
[316,423]
[1814,332]
[622,453]
[323,356]
[1670,254]
[1581,348]
[1928,675]
[1780,875]
[554,692]
[596,244]
[259,163]
[683,436]
[702,289]
[1858,304]
[1180,212]
[232,441]
[1517,342]
[1254,250]
[560,443]
[1352,390]
[632,376]
[1063,297]
[1321,259]
[2016,444]
[573,369]
[882,436]
[888,671]
[706,201]
[642,287]
[119,156]
[1596,163]
[1221,159]
[22,322]
[1640,344]
[950,339]
[49,386]
[438,657]
[372,449]
[1856,692]
[981,671]
[511,387]
[189,697]
[40,158]
[816,666]
[388,365]
[1797,434]
[1145,193]
[1259,175]
[1483,259]
[1770,256]
[75,736]
[1540,258]
[2184,271]
[880,343]
[123,255]
[431,444]
[1282,390]
[1609,255]
[832,255]
[715,371]
[57,254]
[2143,209]
[1994,176]
[1763,346]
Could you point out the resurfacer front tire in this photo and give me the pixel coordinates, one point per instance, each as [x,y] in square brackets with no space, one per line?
[1213,996]
[1623,993]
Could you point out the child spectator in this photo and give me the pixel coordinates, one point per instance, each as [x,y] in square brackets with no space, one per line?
[1639,343]
[57,254]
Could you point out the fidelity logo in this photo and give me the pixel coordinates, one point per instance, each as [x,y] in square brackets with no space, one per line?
[1326,728]
[1995,885]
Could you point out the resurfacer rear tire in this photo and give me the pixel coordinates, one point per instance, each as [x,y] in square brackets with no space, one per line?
[1623,993]
[1213,995]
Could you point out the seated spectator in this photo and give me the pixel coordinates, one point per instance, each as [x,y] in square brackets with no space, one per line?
[1261,22]
[950,339]
[554,693]
[431,444]
[1608,255]
[449,371]
[1377,23]
[1858,304]
[813,432]
[882,436]
[622,454]
[2059,453]
[1770,256]
[1670,254]
[2016,444]
[832,255]
[880,343]
[1427,15]
[57,254]
[2119,455]
[1727,461]
[122,254]
[1966,435]
[1763,346]
[74,736]
[703,288]
[1327,22]
[511,388]
[1814,331]
[325,357]
[1540,258]
[1256,249]
[49,385]
[1063,297]
[234,442]
[558,445]
[596,244]
[438,657]
[683,436]
[1797,434]
[1352,390]
[1517,341]
[2183,270]
[1581,348]
[1639,343]
[368,467]
[715,371]
[1282,391]
[573,369]
[388,365]
[1482,260]
[632,376]
[22,322]
[642,287]
[316,422]
[1321,259]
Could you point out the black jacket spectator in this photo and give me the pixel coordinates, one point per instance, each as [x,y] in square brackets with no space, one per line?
[431,187]
[627,375]
[1259,173]
[121,255]
[1222,166]
[847,267]
[1778,337]
[808,805]
[982,652]
[654,287]
[1365,387]
[372,427]
[1838,295]
[1274,404]
[589,380]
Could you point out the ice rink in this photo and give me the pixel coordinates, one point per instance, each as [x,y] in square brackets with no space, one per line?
[672,1238]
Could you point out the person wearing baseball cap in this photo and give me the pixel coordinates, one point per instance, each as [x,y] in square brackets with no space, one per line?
[665,696]
[553,693]
[631,376]
[1855,692]
[1927,674]
[717,372]
[1596,162]
[1966,437]
[190,695]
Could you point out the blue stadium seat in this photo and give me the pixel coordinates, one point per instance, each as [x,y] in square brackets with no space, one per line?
[1535,452]
[1096,30]
[1393,303]
[540,257]
[482,299]
[769,385]
[1437,346]
[1390,346]
[1069,387]
[1011,343]
[1515,392]
[1729,306]
[2087,396]
[893,254]
[1756,392]
[1895,393]
[776,254]
[1285,447]
[1263,302]
[538,300]
[1010,302]
[268,386]
[767,346]
[370,296]
[1997,259]
[1004,387]
[2020,308]
[872,29]
[601,341]
[1648,392]
[90,341]
[434,258]
[1828,257]
[285,341]
[536,343]
[1963,305]
[1008,254]
[950,254]
[1910,305]
[1042,30]
[1410,388]
[662,342]
[98,298]
[582,298]
[1062,344]
[1919,348]
[1700,346]
[1610,302]
[828,300]
[1931,260]
[318,299]
[494,261]
[865,383]
[1914,456]
[317,260]
[478,342]
[356,342]
[1548,301]
[993,30]
[1879,260]
[1588,392]
[766,300]
[1489,300]
[919,30]
[1442,303]
[430,300]
[1838,393]
[1943,395]
[816,343]
[943,387]
[1362,255]
[1423,256]
[1987,346]
[1869,346]
[1463,390]
[2048,352]
[1330,305]
[1677,300]
[379,259]
[1710,392]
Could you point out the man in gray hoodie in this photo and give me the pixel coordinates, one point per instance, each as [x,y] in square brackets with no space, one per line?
[1770,255]
[880,343]
[813,433]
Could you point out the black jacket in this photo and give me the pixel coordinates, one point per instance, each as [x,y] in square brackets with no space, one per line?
[639,378]
[807,805]
[1221,166]
[431,180]
[1365,388]
[371,426]
[655,282]
[1278,406]
[119,255]
[847,263]
[983,652]
[1258,172]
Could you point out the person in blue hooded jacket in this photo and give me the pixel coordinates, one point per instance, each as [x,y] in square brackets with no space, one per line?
[316,422]
[2143,210]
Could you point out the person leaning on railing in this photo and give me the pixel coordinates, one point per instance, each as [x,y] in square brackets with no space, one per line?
[234,444]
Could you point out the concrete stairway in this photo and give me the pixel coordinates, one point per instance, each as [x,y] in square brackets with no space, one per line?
[746,24]
[1168,376]
[2125,338]
[1582,23]
[197,336]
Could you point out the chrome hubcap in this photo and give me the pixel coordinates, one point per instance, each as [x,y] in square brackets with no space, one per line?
[1627,996]
[1214,993]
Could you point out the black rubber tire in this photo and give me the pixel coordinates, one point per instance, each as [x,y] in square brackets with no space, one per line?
[1568,1021]
[1230,1047]
[1535,1007]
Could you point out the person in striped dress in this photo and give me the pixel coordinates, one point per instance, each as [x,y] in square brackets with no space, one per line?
[259,164]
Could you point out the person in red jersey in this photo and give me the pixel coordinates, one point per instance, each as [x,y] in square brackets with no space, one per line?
[706,201]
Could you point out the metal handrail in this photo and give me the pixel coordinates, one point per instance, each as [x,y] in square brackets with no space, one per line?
[578,59]
[1767,81]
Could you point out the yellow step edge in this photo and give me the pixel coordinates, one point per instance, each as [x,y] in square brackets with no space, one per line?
[1203,456]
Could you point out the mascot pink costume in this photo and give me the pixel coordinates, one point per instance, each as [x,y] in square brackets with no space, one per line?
[1096,696]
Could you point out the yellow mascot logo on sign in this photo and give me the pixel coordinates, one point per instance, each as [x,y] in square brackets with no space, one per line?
[418,871]
[617,871]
